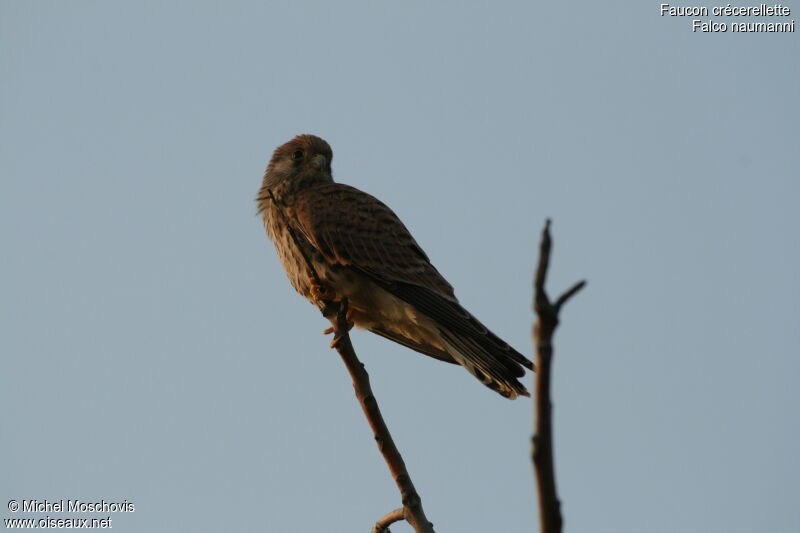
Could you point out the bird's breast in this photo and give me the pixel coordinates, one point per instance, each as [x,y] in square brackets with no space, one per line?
[291,257]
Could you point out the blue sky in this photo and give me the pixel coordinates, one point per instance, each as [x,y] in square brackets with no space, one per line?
[154,351]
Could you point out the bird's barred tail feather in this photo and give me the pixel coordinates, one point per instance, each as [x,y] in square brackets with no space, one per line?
[471,344]
[494,368]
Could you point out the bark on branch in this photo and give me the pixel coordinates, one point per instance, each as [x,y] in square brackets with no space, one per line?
[550,519]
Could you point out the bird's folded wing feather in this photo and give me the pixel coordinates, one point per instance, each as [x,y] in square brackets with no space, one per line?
[350,227]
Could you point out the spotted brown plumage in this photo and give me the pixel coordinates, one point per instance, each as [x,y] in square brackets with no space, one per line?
[362,251]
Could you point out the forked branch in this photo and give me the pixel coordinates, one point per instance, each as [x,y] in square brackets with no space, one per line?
[550,519]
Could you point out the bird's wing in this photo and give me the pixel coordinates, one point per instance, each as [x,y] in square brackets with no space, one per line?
[350,227]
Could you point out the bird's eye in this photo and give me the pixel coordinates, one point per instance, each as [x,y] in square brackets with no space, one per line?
[297,155]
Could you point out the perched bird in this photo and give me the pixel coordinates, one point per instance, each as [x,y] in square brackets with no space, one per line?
[361,251]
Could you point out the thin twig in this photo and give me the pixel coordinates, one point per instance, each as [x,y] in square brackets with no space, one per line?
[542,440]
[569,294]
[382,525]
[336,312]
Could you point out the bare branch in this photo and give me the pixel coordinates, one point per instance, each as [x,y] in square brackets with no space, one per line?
[412,504]
[382,525]
[542,441]
[336,312]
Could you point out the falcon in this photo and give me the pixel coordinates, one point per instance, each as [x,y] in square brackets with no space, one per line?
[360,250]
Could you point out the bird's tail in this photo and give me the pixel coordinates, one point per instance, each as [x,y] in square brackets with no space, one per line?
[496,366]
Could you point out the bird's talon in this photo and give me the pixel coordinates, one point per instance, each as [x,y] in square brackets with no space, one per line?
[318,291]
[336,338]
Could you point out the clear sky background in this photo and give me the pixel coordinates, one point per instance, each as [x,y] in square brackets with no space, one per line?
[153,350]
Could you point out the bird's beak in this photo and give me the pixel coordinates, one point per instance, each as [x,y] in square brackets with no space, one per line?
[319,162]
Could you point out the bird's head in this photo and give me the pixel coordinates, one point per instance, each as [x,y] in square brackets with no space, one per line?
[302,162]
